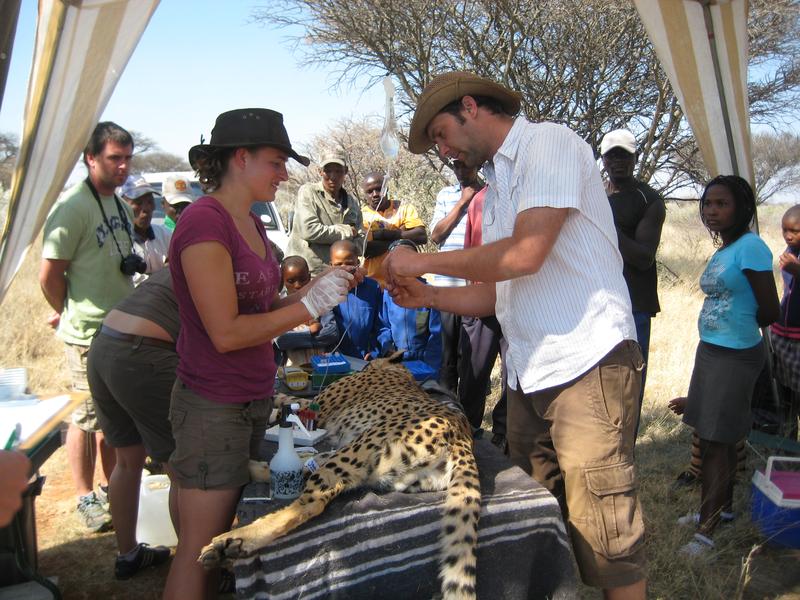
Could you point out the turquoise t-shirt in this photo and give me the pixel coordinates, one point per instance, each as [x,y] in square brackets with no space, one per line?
[728,316]
[75,231]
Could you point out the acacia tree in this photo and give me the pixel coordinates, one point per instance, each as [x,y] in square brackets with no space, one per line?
[585,63]
[776,158]
[8,156]
[149,158]
[414,179]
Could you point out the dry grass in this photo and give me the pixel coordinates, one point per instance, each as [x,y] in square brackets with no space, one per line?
[83,564]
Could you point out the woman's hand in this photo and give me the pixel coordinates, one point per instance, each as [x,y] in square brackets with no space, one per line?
[326,291]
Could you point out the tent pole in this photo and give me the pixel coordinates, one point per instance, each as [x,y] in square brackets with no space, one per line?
[712,42]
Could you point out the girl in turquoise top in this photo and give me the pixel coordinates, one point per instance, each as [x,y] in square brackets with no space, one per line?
[740,298]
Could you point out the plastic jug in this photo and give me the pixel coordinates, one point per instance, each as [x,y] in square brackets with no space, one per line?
[154,526]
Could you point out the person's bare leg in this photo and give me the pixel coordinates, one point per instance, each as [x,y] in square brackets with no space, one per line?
[81,459]
[123,493]
[108,458]
[719,470]
[634,591]
[172,501]
[203,514]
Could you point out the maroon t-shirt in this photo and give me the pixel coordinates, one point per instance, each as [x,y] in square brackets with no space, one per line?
[241,375]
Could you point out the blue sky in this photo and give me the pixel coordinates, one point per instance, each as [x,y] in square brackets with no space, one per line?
[196,59]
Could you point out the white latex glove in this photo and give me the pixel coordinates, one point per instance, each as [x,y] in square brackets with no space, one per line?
[328,290]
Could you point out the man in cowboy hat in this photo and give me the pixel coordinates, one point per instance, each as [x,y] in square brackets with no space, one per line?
[324,213]
[553,276]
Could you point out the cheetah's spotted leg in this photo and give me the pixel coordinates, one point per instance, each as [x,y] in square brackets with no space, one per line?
[321,488]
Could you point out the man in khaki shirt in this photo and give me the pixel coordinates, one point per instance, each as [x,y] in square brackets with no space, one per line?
[324,213]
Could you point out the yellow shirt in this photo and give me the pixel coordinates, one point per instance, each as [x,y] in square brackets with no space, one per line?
[396,216]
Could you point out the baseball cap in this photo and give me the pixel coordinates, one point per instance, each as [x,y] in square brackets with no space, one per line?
[619,138]
[332,157]
[177,190]
[135,187]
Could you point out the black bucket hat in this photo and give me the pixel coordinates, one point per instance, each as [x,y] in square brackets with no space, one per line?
[248,127]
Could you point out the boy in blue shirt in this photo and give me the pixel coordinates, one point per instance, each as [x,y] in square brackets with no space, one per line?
[417,331]
[317,336]
[358,317]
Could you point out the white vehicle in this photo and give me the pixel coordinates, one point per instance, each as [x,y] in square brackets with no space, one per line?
[266,211]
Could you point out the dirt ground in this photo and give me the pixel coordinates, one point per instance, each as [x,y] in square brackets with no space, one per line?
[83,562]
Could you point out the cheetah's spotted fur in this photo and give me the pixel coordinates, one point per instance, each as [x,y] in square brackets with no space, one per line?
[390,436]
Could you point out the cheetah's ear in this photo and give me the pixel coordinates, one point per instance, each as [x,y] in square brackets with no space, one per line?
[396,357]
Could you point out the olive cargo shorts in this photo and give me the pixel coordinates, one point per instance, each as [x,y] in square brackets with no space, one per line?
[214,441]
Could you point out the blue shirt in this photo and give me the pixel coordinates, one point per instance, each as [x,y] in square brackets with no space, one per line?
[728,316]
[417,331]
[358,319]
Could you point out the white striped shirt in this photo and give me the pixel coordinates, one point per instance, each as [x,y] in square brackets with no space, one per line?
[446,199]
[560,321]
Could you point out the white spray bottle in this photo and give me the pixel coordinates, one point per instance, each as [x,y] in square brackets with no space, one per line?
[286,469]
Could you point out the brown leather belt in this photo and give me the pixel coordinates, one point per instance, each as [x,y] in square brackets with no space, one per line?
[136,340]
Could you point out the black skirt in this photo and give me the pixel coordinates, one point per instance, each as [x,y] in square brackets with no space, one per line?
[721,390]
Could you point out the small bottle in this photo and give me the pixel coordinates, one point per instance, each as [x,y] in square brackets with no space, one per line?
[313,409]
[286,469]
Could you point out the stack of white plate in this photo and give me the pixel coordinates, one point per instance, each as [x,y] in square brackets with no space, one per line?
[13,383]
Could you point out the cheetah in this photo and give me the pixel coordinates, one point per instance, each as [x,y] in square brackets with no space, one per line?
[389,435]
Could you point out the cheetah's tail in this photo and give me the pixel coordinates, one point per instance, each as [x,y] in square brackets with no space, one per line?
[459,535]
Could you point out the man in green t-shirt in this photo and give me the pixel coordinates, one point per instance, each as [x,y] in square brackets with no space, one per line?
[86,236]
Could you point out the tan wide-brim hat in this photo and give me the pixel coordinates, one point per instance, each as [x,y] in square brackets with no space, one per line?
[447,88]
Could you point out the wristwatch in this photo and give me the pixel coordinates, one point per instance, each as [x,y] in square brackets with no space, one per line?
[403,242]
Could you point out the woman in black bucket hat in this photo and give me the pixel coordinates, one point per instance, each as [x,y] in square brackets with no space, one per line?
[226,281]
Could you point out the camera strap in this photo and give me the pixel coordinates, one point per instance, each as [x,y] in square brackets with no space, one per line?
[121,211]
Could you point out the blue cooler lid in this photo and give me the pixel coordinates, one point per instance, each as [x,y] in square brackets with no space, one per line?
[330,363]
[419,369]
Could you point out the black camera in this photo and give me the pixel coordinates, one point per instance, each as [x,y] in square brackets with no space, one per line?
[132,264]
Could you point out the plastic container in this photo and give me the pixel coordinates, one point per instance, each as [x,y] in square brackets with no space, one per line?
[320,380]
[296,379]
[323,364]
[154,526]
[776,503]
[286,468]
[419,369]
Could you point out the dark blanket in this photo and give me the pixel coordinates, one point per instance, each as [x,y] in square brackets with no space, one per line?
[368,545]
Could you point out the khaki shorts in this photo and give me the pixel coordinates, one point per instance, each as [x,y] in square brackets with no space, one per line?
[577,440]
[84,416]
[131,388]
[214,440]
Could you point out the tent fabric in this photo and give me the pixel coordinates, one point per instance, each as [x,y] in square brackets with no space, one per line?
[82,47]
[690,36]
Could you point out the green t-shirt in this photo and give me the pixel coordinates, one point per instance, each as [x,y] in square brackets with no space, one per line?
[75,231]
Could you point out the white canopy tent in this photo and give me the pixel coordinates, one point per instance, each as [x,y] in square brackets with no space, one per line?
[703,47]
[82,47]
